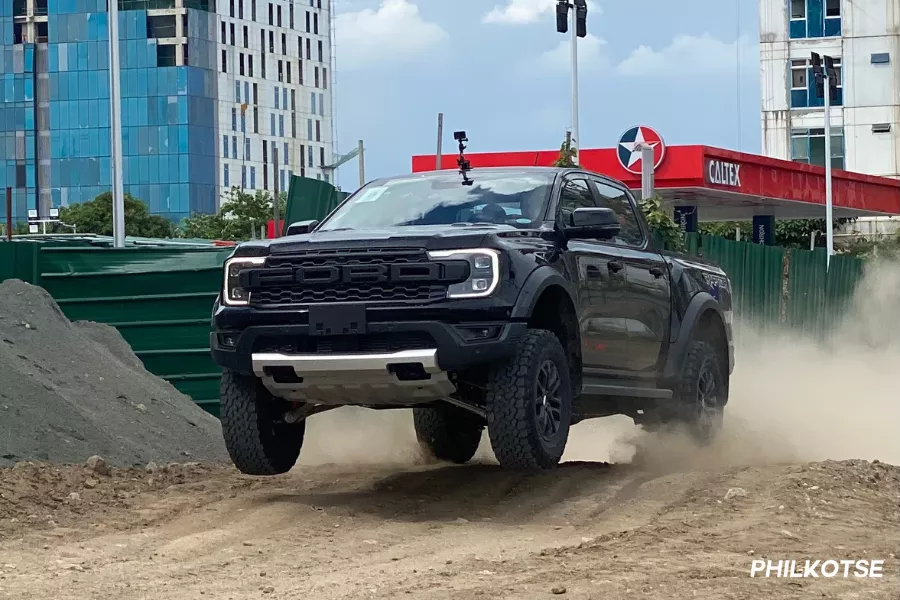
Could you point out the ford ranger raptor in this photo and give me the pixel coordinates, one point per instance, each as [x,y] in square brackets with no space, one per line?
[517,300]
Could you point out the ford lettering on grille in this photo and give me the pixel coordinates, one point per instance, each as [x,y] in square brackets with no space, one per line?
[399,273]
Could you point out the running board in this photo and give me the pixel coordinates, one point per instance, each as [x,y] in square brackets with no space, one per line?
[627,391]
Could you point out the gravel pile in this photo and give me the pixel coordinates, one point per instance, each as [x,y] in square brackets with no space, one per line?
[69,391]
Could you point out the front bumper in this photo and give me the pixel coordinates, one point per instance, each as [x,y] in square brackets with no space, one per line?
[365,376]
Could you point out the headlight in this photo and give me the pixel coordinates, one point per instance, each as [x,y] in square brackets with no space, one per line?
[484,272]
[233,294]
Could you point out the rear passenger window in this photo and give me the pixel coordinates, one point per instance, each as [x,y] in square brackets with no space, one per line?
[617,200]
[575,194]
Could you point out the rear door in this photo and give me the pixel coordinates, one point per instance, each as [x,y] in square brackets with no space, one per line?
[647,306]
[598,275]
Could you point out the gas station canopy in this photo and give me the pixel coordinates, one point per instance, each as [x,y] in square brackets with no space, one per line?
[717,184]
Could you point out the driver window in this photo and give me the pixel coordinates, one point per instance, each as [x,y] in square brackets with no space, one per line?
[575,194]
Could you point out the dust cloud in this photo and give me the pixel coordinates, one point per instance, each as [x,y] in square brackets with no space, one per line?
[793,399]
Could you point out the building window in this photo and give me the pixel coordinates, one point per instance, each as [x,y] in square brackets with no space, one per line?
[253,10]
[318,131]
[803,85]
[808,147]
[280,70]
[324,78]
[321,52]
[237,92]
[322,157]
[250,65]
[224,37]
[252,178]
[312,102]
[316,80]
[224,146]
[279,15]
[240,9]
[232,9]
[277,97]
[243,177]
[271,14]
[246,148]
[224,61]
[231,31]
[271,41]
[293,100]
[243,120]
[309,151]
[255,94]
[241,63]
[316,24]
[272,124]
[294,125]
[234,147]
[308,22]
[284,44]
[300,71]
[262,40]
[286,159]
[255,120]
[225,176]
[291,15]
[246,37]
[288,71]
[308,49]
[815,18]
[262,64]
[234,119]
[309,130]
[280,125]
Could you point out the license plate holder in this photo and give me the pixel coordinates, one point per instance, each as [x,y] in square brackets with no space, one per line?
[348,319]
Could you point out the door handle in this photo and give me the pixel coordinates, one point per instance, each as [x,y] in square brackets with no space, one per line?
[614,266]
[656,272]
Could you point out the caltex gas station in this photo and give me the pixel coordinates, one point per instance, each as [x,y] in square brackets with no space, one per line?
[703,184]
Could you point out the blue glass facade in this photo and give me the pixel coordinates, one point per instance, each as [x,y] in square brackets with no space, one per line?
[58,90]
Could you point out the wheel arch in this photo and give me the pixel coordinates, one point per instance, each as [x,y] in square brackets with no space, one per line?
[703,320]
[546,302]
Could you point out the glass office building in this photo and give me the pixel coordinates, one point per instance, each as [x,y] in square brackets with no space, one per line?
[197,117]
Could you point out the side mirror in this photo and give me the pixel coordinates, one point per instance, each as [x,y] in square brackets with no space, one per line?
[592,223]
[301,227]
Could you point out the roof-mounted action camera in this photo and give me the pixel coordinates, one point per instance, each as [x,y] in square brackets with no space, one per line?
[462,162]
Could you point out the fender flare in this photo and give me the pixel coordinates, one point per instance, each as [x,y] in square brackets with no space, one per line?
[535,284]
[682,333]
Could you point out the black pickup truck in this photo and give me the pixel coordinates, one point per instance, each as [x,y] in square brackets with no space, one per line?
[523,300]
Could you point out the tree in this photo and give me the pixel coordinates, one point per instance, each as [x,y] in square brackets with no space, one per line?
[96,216]
[240,216]
[666,230]
[789,233]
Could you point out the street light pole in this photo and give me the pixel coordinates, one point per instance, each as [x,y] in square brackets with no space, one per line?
[578,8]
[115,118]
[575,135]
[829,228]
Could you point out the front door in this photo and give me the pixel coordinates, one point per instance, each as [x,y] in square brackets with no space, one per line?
[598,275]
[648,304]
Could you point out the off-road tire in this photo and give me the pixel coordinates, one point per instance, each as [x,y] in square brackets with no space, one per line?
[447,432]
[258,440]
[702,419]
[512,407]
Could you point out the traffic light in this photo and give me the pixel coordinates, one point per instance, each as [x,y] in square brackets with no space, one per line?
[562,16]
[581,18]
[818,75]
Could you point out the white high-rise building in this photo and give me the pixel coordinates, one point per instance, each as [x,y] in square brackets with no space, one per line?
[275,92]
[863,36]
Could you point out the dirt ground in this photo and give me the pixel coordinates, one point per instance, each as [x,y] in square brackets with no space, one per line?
[648,528]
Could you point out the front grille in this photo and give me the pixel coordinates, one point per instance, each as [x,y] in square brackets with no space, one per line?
[341,293]
[368,343]
[283,294]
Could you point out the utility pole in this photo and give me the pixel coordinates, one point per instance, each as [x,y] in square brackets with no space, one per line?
[826,88]
[277,197]
[115,118]
[440,135]
[579,30]
[362,165]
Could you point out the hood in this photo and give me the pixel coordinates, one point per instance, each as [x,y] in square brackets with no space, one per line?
[434,237]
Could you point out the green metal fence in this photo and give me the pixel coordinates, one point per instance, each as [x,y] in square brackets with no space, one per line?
[784,287]
[160,299]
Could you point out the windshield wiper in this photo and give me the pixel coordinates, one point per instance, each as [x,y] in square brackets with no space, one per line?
[339,229]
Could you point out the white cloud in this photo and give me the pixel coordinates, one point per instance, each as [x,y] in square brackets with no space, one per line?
[394,32]
[591,56]
[691,55]
[523,12]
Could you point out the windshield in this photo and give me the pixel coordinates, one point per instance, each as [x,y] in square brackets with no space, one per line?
[503,198]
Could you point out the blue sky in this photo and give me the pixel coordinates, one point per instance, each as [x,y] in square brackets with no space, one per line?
[499,70]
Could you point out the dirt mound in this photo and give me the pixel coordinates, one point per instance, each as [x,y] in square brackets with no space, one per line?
[73,390]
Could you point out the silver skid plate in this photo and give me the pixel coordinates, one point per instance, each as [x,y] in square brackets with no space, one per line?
[360,379]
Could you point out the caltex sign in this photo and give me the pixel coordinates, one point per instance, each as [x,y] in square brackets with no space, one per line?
[629,148]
